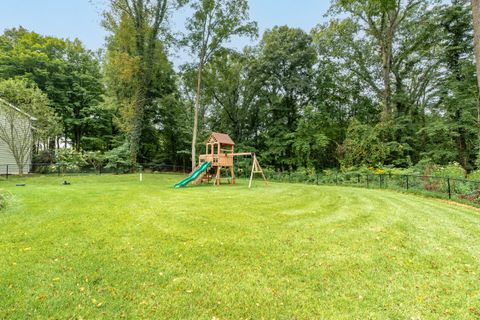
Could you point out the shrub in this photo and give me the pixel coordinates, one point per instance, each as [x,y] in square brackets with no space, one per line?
[42,160]
[94,158]
[44,157]
[68,160]
[433,174]
[400,171]
[452,170]
[329,176]
[306,175]
[477,161]
[474,175]
[364,145]
[118,159]
[422,165]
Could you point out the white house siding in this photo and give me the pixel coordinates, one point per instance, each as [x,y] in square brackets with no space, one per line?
[6,158]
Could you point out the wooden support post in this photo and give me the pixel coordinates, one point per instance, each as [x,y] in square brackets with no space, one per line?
[233,174]
[256,169]
[217,176]
[251,174]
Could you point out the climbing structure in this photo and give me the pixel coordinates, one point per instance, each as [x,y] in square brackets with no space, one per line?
[218,160]
[219,150]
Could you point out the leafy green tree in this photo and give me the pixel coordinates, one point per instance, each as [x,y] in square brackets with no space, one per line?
[231,92]
[345,86]
[212,24]
[118,159]
[68,160]
[84,90]
[458,94]
[285,70]
[309,139]
[136,26]
[174,135]
[382,20]
[121,69]
[355,46]
[67,72]
[364,145]
[476,38]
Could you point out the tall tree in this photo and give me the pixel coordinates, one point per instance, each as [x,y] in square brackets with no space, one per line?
[476,41]
[458,105]
[144,20]
[231,90]
[285,69]
[67,72]
[213,23]
[84,90]
[382,20]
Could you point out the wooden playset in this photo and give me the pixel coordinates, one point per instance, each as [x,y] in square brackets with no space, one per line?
[219,155]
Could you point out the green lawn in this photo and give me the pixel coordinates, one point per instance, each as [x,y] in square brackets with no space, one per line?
[111,247]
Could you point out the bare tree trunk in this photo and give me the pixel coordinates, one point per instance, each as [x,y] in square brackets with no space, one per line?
[476,41]
[78,137]
[136,133]
[195,117]
[387,91]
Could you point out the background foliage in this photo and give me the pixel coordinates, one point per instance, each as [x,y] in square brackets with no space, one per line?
[390,85]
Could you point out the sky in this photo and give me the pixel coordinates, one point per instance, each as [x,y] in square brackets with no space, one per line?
[81,18]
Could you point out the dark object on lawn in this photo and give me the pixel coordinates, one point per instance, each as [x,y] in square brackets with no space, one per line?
[65,183]
[20,184]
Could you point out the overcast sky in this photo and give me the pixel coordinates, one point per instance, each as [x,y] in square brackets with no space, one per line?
[81,18]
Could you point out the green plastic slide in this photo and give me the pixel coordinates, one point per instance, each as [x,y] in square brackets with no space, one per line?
[195,174]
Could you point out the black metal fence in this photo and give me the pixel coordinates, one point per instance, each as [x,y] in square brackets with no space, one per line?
[445,187]
[9,170]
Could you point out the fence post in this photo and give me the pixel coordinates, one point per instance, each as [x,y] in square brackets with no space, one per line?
[336,177]
[367,180]
[449,188]
[317,178]
[7,171]
[407,181]
[358,178]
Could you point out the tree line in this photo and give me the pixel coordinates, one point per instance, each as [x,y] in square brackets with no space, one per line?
[381,83]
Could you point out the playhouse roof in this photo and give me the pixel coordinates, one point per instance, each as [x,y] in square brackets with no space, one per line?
[221,138]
